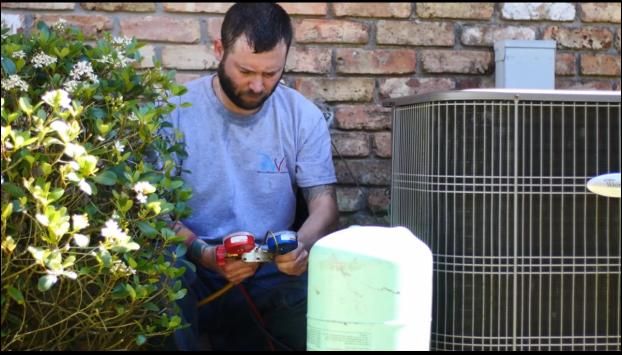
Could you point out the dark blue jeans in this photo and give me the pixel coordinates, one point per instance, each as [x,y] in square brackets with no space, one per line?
[228,322]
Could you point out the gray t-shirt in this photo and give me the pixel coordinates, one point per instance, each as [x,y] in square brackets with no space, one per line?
[244,170]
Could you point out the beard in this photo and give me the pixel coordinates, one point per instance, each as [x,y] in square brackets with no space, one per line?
[238,96]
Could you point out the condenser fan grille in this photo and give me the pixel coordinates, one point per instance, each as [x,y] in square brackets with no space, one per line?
[525,257]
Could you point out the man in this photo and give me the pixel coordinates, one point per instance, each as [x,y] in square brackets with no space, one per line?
[251,143]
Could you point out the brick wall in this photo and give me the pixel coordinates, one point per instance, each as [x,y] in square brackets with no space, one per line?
[348,57]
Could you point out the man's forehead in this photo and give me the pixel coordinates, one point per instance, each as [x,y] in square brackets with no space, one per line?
[243,43]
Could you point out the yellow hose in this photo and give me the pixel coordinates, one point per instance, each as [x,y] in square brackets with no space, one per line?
[215,295]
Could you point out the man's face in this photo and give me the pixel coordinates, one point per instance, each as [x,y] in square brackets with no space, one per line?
[248,78]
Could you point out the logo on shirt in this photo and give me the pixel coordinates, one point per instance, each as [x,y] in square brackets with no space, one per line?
[272,165]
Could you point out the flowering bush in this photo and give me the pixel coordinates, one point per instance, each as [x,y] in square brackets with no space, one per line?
[87,255]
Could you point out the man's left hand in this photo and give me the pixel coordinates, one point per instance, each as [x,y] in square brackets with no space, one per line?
[293,263]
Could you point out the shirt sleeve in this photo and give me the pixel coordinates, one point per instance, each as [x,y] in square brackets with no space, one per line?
[314,162]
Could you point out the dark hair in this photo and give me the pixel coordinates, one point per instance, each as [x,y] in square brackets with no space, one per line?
[264,24]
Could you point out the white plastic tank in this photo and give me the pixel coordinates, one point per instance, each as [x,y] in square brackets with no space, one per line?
[370,288]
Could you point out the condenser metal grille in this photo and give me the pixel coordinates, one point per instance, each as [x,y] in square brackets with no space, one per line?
[525,257]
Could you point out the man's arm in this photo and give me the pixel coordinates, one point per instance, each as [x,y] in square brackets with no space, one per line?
[323,214]
[322,220]
[205,255]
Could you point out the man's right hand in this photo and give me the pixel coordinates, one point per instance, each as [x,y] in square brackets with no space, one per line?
[237,271]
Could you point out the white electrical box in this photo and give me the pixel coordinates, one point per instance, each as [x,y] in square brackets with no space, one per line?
[525,64]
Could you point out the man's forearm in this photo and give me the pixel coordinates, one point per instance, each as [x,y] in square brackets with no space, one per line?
[323,214]
[198,250]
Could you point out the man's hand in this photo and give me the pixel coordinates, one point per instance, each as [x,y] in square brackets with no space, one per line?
[295,262]
[237,271]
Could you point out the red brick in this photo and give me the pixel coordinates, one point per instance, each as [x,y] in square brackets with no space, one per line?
[330,31]
[119,6]
[580,38]
[371,9]
[600,64]
[416,34]
[39,5]
[350,199]
[162,28]
[565,64]
[472,11]
[367,117]
[91,25]
[488,35]
[216,7]
[398,87]
[147,53]
[600,12]
[338,89]
[379,200]
[364,171]
[573,84]
[304,8]
[382,144]
[213,27]
[350,144]
[376,61]
[456,61]
[182,78]
[537,11]
[308,60]
[189,57]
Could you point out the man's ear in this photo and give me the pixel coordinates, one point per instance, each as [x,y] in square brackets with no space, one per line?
[218,49]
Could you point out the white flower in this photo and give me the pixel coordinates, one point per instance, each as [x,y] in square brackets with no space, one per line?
[121,41]
[83,69]
[19,54]
[141,198]
[84,186]
[111,230]
[14,81]
[117,237]
[81,240]
[106,59]
[144,187]
[119,146]
[57,97]
[74,150]
[71,85]
[60,24]
[41,60]
[80,221]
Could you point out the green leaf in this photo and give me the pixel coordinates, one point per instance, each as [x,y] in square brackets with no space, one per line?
[180,294]
[8,66]
[131,292]
[6,212]
[152,307]
[16,295]
[44,30]
[174,322]
[55,194]
[147,229]
[25,105]
[13,189]
[107,178]
[180,250]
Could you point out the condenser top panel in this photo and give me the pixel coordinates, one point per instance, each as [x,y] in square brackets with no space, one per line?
[508,94]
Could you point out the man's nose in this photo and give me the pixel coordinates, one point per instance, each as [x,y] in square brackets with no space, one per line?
[256,85]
